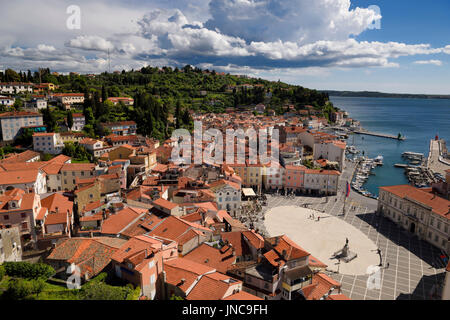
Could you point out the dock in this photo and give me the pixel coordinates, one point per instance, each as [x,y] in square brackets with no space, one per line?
[381,135]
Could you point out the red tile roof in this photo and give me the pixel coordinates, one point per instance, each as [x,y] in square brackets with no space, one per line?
[220,260]
[200,282]
[116,223]
[321,285]
[165,204]
[437,204]
[90,255]
[18,177]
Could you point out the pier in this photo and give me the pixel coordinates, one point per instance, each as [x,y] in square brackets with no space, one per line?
[382,135]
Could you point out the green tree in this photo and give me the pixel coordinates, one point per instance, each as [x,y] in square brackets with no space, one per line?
[178,115]
[20,288]
[28,270]
[25,139]
[70,120]
[49,120]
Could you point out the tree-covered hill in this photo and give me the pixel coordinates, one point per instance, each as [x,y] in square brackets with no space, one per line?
[161,94]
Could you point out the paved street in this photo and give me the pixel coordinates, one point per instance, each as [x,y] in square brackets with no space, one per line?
[415,268]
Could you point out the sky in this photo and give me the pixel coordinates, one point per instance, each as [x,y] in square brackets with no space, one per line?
[376,45]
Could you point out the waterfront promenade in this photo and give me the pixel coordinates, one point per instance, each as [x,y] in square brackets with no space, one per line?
[433,162]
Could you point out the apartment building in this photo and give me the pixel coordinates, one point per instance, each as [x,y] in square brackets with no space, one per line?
[125,100]
[419,211]
[273,178]
[122,128]
[12,122]
[294,178]
[79,121]
[332,150]
[7,101]
[20,209]
[29,180]
[228,196]
[50,143]
[322,182]
[140,261]
[71,171]
[68,98]
[16,87]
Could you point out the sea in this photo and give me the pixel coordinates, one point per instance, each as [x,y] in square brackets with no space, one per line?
[419,120]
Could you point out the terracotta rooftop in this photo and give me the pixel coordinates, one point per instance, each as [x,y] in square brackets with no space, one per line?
[220,260]
[437,204]
[90,255]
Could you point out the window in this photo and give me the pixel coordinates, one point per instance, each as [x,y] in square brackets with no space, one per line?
[152,279]
[23,215]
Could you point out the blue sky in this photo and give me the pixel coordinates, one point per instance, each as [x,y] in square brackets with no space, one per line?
[320,44]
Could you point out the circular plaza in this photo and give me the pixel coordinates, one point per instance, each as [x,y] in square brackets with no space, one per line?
[323,235]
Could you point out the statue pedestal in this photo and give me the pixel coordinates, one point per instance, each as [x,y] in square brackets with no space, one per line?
[345,254]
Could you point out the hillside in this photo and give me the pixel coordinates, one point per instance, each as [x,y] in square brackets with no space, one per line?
[162,94]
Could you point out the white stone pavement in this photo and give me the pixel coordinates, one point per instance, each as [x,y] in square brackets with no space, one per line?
[324,237]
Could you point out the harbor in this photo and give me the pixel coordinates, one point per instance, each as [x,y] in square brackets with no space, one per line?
[417,171]
[364,170]
[381,135]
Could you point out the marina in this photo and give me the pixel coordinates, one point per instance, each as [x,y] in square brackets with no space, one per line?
[363,171]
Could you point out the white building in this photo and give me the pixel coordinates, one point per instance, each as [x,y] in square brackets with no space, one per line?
[273,177]
[321,181]
[95,147]
[332,150]
[37,103]
[418,211]
[48,143]
[28,180]
[79,121]
[7,101]
[68,99]
[16,87]
[228,195]
[12,122]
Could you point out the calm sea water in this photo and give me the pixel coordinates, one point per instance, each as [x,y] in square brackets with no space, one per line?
[419,120]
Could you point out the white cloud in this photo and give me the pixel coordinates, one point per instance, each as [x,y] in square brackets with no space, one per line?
[90,43]
[432,62]
[251,36]
[289,20]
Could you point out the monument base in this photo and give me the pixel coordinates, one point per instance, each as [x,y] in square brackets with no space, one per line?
[350,256]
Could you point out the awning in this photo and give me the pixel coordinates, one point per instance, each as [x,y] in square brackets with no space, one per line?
[248,192]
